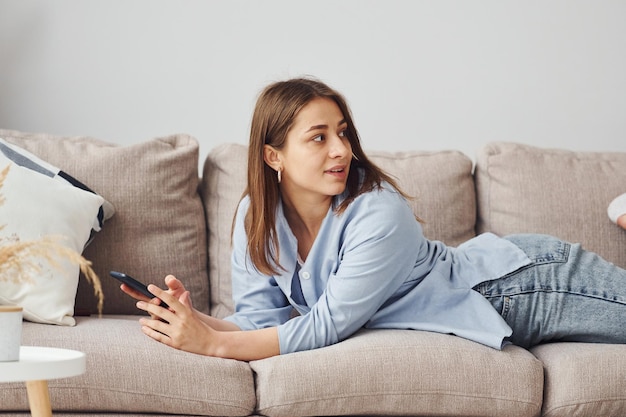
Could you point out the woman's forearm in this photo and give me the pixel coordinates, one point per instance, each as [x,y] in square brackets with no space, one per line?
[242,345]
[246,345]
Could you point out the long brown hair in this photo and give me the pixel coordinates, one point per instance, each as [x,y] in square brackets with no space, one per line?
[274,114]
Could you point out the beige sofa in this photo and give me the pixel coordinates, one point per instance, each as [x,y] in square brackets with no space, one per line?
[169,221]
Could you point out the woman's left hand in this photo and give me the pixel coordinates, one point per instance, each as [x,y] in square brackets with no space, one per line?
[182,327]
[179,326]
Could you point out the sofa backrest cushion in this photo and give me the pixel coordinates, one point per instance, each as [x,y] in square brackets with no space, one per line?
[441,183]
[158,227]
[223,182]
[442,187]
[525,189]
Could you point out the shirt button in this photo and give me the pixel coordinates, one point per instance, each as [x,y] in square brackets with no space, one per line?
[305,275]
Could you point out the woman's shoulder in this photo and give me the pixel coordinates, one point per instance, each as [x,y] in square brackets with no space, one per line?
[383,202]
[381,215]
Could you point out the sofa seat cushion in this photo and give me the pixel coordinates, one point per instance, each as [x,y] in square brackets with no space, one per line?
[127,372]
[158,227]
[525,189]
[401,372]
[583,379]
[440,182]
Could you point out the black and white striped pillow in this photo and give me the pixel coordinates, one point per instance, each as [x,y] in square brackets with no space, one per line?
[40,200]
[25,159]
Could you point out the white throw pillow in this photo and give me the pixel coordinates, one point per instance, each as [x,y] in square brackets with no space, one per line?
[37,205]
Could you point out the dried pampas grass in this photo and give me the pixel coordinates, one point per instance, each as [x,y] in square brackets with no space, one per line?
[20,260]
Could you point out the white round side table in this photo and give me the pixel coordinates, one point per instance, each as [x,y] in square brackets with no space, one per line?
[36,366]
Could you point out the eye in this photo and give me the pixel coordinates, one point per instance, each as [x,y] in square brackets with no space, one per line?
[318,138]
[343,130]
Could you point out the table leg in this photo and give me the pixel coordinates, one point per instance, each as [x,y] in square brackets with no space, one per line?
[39,398]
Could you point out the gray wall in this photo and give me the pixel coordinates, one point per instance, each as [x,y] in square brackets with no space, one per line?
[418,74]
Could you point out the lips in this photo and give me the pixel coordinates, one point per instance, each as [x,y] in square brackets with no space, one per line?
[336,169]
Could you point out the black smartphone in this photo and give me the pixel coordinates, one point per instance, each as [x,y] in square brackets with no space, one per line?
[135,285]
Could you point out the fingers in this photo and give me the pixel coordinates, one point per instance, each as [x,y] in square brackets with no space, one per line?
[163,295]
[163,325]
[175,286]
[156,309]
[174,325]
[156,330]
[185,299]
[175,290]
[173,283]
[135,294]
[159,317]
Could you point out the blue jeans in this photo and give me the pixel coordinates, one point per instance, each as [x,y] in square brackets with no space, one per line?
[566,294]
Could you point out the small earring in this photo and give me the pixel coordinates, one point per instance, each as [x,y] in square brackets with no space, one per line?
[280,175]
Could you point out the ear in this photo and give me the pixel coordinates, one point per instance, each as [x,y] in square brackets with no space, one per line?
[272,157]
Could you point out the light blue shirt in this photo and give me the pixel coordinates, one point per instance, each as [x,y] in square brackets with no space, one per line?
[371,266]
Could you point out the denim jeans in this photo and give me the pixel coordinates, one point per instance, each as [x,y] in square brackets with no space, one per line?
[566,294]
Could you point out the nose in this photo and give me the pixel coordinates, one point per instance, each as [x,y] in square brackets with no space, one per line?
[339,147]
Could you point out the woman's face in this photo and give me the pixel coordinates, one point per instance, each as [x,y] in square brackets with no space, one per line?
[317,154]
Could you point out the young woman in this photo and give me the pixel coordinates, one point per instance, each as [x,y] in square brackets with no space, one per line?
[323,231]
